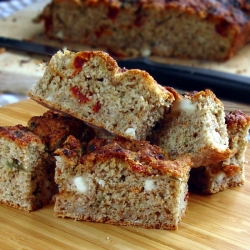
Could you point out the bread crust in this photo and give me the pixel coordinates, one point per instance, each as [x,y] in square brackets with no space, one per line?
[20,134]
[141,156]
[53,128]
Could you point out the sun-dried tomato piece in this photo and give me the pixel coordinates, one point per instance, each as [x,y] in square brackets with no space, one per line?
[81,97]
[137,168]
[97,107]
[186,196]
[103,31]
[80,60]
[140,168]
[139,17]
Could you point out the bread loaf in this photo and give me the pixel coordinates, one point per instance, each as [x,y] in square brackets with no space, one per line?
[205,29]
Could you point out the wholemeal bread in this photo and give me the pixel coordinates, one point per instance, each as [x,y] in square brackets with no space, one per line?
[230,172]
[27,163]
[194,126]
[121,182]
[90,86]
[211,30]
[26,180]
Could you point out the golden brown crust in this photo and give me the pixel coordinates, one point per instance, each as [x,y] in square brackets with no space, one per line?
[141,156]
[208,155]
[53,129]
[237,119]
[232,11]
[207,93]
[174,92]
[20,134]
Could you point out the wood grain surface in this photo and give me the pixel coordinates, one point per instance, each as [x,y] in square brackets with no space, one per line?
[219,221]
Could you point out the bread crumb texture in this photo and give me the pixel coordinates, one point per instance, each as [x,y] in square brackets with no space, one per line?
[194,126]
[90,86]
[121,182]
[23,182]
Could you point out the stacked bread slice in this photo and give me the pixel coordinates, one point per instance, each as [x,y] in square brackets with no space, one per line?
[27,162]
[23,180]
[216,143]
[194,125]
[123,182]
[133,166]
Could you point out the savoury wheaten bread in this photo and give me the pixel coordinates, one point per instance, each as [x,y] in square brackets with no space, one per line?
[204,29]
[194,126]
[27,162]
[216,177]
[90,86]
[26,179]
[121,182]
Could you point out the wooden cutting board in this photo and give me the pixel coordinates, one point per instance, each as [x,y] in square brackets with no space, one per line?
[19,70]
[219,221]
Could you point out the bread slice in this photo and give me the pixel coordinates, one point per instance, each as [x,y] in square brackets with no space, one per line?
[194,126]
[90,86]
[121,182]
[208,30]
[27,163]
[26,180]
[216,177]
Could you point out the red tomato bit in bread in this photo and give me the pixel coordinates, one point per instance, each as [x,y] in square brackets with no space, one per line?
[96,107]
[82,98]
[79,61]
